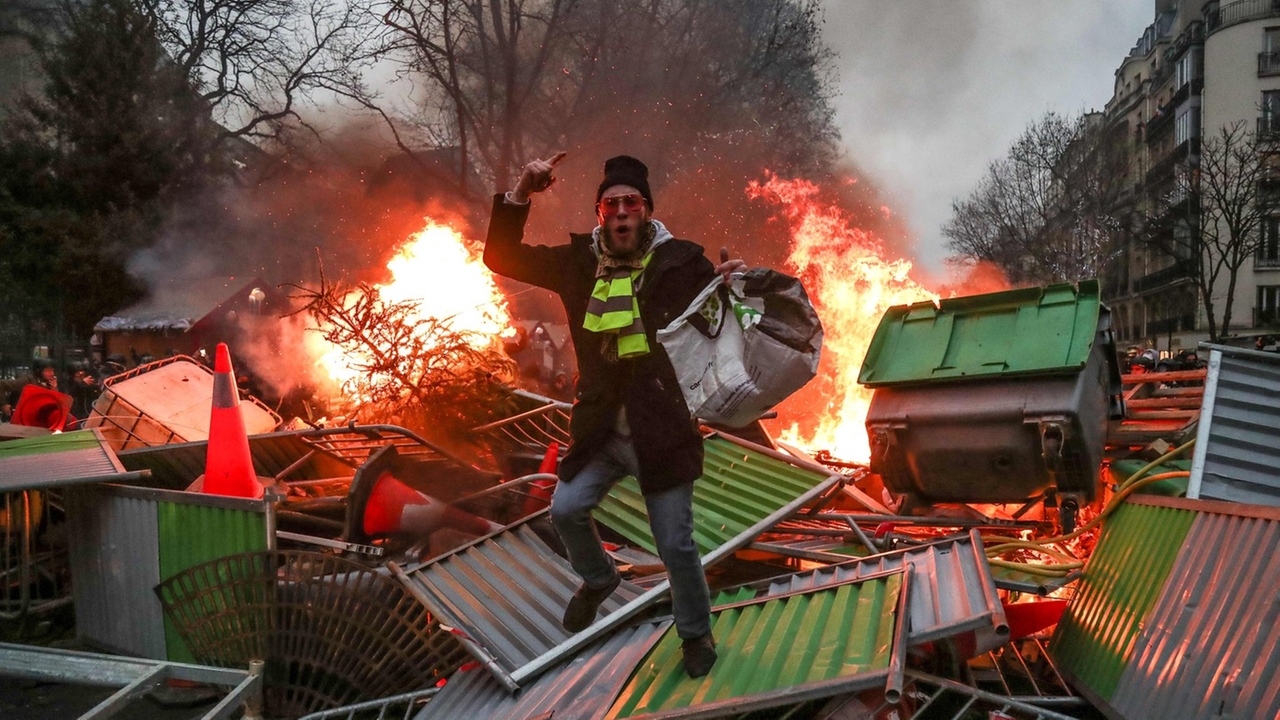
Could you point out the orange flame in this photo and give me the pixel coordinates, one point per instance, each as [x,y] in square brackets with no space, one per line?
[851,284]
[443,273]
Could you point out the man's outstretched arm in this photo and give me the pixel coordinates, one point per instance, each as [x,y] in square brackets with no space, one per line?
[504,250]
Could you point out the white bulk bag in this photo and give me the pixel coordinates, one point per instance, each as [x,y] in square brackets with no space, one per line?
[740,349]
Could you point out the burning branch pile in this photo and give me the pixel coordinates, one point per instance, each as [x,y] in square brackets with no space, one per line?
[403,367]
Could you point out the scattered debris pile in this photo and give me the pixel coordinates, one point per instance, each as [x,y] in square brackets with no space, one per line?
[381,574]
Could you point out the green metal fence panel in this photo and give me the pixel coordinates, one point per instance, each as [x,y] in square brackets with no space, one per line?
[55,443]
[774,654]
[1031,330]
[192,534]
[1122,582]
[740,486]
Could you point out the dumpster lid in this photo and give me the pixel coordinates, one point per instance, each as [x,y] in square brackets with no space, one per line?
[1040,330]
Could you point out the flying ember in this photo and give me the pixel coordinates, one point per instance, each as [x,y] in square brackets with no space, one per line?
[851,284]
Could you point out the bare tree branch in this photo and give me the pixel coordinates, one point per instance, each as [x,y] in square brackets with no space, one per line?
[1048,211]
[415,370]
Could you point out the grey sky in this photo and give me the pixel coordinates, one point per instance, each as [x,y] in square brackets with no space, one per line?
[931,91]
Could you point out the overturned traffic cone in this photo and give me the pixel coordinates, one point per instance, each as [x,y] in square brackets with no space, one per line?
[41,407]
[228,468]
[1029,618]
[540,490]
[379,505]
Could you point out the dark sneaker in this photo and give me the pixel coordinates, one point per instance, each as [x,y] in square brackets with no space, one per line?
[699,655]
[585,603]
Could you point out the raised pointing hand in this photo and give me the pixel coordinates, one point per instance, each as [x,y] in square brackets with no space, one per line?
[536,177]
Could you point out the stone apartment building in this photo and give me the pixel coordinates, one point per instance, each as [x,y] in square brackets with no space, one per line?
[1197,68]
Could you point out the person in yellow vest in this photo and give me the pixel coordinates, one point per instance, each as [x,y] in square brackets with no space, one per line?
[620,284]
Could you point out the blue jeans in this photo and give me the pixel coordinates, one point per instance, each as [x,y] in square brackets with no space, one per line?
[670,518]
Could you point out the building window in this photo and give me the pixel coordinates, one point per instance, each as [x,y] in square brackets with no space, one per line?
[1269,58]
[1271,40]
[1269,122]
[1190,67]
[1269,249]
[1187,124]
[1267,309]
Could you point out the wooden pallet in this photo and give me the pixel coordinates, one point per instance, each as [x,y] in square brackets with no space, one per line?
[1158,406]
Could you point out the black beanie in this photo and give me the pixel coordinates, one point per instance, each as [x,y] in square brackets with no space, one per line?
[626,170]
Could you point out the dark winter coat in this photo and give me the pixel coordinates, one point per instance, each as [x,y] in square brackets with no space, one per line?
[666,439]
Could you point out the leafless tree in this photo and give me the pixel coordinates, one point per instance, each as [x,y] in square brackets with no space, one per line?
[1049,211]
[253,62]
[687,81]
[1229,182]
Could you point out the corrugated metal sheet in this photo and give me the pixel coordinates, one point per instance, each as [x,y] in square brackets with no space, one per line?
[740,486]
[192,534]
[113,543]
[123,541]
[581,689]
[1236,456]
[508,592]
[337,453]
[518,630]
[951,589]
[1122,581]
[844,635]
[178,464]
[1210,648]
[59,459]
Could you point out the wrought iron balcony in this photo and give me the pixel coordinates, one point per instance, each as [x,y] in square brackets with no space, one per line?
[1163,167]
[1181,270]
[1269,126]
[1268,64]
[1241,11]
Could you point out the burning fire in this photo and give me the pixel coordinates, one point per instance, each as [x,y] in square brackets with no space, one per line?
[443,274]
[851,284]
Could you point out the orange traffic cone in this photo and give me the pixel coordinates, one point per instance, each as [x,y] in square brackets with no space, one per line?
[228,468]
[378,504]
[41,407]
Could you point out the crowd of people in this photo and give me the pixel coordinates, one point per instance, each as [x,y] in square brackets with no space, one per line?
[81,381]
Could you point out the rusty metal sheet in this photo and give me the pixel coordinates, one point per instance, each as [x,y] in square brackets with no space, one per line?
[1210,648]
[1236,455]
[580,689]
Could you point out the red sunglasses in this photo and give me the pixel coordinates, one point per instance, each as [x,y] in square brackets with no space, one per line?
[631,202]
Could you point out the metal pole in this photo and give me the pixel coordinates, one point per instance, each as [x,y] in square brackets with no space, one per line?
[898,653]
